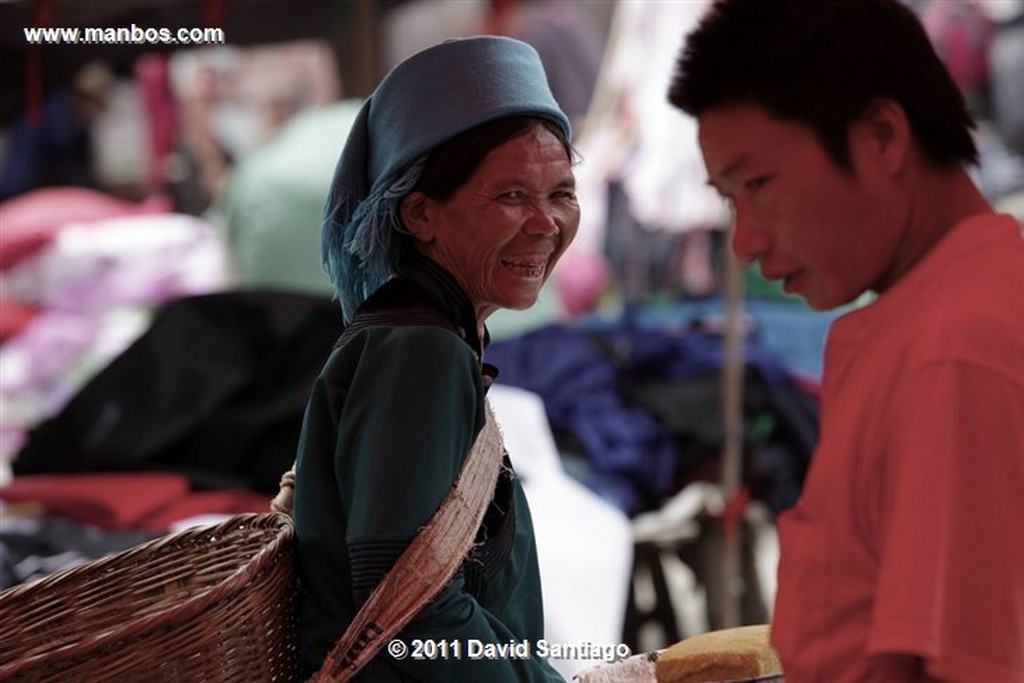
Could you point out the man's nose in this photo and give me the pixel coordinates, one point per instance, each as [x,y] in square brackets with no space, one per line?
[750,240]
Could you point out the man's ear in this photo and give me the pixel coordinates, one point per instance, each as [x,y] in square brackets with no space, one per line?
[415,214]
[885,131]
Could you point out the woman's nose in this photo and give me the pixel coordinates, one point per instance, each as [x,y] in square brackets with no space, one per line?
[541,222]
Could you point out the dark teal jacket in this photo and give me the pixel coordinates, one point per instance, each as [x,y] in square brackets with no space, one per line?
[388,425]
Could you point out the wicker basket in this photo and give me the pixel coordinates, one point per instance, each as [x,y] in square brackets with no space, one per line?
[205,604]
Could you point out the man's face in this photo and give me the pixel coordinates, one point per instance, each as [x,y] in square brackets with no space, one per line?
[828,235]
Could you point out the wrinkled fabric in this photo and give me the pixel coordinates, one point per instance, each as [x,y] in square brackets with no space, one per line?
[638,404]
[214,390]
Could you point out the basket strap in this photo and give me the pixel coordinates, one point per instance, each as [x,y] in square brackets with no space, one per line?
[427,565]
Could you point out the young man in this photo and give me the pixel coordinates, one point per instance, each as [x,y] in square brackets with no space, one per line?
[840,140]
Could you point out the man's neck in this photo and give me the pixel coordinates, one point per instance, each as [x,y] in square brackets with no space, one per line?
[942,198]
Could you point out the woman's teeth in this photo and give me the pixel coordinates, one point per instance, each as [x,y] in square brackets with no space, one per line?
[526,267]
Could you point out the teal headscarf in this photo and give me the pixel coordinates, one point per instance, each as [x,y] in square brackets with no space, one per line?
[423,102]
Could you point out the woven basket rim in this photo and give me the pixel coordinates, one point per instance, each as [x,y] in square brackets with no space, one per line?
[178,613]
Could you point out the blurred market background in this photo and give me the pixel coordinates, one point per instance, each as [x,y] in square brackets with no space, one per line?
[160,216]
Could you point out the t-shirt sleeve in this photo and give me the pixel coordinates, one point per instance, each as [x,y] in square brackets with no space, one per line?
[951,582]
[412,412]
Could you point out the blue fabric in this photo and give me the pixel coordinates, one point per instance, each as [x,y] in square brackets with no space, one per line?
[423,102]
[641,405]
[629,452]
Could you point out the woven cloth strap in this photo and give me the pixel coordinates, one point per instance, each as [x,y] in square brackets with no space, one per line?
[425,567]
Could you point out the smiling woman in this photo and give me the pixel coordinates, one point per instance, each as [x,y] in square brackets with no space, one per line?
[521,203]
[454,197]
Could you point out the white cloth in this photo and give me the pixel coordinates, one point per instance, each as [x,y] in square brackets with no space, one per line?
[584,544]
[634,133]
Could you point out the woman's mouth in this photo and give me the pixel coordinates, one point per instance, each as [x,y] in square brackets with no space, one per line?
[526,266]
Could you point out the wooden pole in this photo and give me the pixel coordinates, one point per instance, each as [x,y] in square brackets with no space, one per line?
[732,450]
[364,35]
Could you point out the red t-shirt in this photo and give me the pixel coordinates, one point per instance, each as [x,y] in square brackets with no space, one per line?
[909,536]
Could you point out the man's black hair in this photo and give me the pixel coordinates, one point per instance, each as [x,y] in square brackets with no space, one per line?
[822,63]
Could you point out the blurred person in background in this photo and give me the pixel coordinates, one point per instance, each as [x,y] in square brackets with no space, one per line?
[54,147]
[843,145]
[454,197]
[568,45]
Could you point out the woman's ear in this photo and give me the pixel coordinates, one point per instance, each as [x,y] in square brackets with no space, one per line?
[415,216]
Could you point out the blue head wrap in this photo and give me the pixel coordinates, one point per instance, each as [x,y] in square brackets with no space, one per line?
[423,102]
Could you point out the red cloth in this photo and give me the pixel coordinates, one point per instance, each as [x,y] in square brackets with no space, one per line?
[225,502]
[152,74]
[109,501]
[151,501]
[15,317]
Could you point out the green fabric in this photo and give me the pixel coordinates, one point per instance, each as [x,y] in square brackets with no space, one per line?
[272,208]
[757,287]
[388,426]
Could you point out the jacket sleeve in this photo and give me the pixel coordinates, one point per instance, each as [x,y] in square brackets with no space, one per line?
[413,410]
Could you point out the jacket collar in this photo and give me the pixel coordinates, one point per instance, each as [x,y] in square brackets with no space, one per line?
[421,281]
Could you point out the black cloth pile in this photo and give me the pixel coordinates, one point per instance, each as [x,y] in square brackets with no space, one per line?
[215,390]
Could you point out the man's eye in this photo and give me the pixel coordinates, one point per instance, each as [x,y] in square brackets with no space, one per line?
[755,184]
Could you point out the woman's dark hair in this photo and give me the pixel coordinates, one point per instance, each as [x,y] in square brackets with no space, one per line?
[821,63]
[451,164]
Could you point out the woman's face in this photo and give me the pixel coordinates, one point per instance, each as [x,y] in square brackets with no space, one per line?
[503,230]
